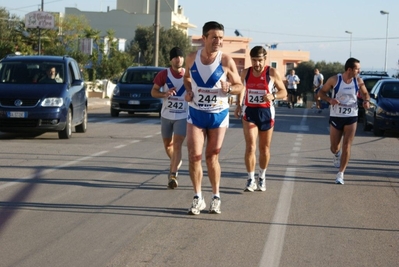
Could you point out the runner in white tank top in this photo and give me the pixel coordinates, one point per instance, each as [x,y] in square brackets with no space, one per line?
[346,94]
[210,77]
[206,85]
[169,85]
[343,112]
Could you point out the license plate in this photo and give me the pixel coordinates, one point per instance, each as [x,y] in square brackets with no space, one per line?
[134,102]
[17,114]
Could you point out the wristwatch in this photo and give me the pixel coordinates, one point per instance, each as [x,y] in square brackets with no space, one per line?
[228,91]
[274,96]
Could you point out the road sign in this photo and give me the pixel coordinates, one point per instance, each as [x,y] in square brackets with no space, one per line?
[39,19]
[86,46]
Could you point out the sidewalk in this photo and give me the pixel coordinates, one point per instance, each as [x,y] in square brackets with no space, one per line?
[96,102]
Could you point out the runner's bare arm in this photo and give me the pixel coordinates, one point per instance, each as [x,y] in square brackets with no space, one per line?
[232,74]
[278,82]
[326,88]
[187,78]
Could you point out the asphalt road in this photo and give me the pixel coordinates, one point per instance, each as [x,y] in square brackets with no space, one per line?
[100,199]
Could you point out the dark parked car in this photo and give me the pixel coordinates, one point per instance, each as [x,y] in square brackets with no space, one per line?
[133,91]
[383,113]
[42,94]
[370,78]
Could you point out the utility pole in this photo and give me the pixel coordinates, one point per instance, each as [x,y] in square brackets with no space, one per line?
[39,49]
[156,30]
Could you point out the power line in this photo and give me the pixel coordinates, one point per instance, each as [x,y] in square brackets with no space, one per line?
[335,41]
[341,39]
[21,8]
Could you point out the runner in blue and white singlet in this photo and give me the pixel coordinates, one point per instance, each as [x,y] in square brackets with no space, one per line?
[208,97]
[174,107]
[210,78]
[346,94]
[343,112]
[169,86]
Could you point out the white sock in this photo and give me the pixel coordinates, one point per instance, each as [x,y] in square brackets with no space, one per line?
[262,173]
[215,195]
[199,195]
[251,176]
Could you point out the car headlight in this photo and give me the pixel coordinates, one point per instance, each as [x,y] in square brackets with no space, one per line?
[52,102]
[116,91]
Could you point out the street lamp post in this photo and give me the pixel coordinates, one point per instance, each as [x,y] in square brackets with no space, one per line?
[350,43]
[386,38]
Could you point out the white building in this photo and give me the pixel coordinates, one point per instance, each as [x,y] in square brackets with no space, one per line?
[130,14]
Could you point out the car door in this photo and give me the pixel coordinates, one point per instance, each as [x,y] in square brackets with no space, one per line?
[373,101]
[77,91]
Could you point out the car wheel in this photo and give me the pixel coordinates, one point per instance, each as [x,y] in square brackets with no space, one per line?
[377,131]
[114,113]
[81,128]
[366,125]
[67,132]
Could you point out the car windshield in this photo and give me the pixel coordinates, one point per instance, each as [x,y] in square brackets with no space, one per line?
[390,90]
[24,72]
[139,76]
[369,83]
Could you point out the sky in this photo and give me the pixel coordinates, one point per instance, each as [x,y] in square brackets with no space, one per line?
[315,26]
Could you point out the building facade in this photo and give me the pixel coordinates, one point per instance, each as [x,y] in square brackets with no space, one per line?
[130,14]
[239,47]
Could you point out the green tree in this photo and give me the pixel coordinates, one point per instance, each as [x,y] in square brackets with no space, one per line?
[106,61]
[13,37]
[112,61]
[64,39]
[305,71]
[143,45]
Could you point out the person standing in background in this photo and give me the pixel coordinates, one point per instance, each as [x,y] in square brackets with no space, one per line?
[168,85]
[292,80]
[318,80]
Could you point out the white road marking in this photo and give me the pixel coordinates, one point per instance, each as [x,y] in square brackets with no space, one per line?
[275,240]
[52,169]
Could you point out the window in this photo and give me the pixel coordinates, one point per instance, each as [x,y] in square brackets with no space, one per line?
[274,64]
[289,66]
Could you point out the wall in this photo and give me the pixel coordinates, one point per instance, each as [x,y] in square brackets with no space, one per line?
[125,22]
[238,48]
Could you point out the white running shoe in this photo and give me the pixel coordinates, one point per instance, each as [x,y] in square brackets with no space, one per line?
[262,184]
[337,160]
[251,185]
[197,205]
[339,179]
[215,206]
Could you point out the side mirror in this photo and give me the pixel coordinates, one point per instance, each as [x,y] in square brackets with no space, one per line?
[77,83]
[373,96]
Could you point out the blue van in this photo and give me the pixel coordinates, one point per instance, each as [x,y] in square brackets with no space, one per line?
[42,94]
